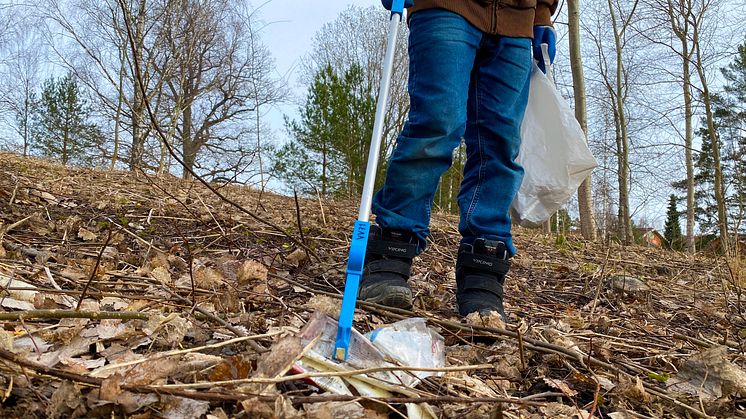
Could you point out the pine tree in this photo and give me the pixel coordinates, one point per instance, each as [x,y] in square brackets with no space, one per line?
[672,231]
[730,111]
[61,127]
[331,140]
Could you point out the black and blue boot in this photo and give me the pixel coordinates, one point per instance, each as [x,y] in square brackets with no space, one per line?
[388,265]
[480,275]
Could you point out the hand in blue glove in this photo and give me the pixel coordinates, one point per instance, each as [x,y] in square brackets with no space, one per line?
[544,35]
[387,3]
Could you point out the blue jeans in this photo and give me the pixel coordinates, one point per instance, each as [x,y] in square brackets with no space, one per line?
[462,84]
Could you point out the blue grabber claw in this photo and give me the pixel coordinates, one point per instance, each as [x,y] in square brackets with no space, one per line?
[354,272]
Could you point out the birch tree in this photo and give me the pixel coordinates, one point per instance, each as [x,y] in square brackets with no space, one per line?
[585,195]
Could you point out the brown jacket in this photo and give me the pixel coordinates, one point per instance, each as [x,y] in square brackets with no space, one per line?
[501,17]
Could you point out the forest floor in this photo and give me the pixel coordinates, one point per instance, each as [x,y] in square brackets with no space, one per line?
[127,295]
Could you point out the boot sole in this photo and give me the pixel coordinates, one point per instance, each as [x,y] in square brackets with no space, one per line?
[399,298]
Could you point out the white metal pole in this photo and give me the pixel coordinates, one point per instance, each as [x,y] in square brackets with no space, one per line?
[375,142]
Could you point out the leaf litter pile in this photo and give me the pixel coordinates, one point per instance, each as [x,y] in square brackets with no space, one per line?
[128,295]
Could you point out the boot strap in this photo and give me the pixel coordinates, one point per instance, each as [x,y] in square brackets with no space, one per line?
[484,263]
[493,285]
[388,265]
[392,248]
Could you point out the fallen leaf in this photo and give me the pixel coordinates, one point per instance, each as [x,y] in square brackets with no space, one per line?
[562,411]
[110,389]
[86,235]
[561,386]
[161,368]
[709,375]
[27,295]
[6,340]
[281,356]
[493,320]
[182,408]
[232,368]
[161,275]
[251,271]
[26,343]
[324,304]
[14,304]
[65,401]
[333,410]
[297,257]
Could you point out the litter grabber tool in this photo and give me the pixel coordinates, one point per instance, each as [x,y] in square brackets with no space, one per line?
[361,229]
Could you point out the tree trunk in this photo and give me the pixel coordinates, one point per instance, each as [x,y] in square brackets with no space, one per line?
[681,30]
[187,142]
[118,113]
[26,117]
[623,138]
[688,155]
[138,108]
[715,141]
[585,195]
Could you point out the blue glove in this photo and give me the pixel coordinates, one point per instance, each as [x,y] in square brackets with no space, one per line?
[544,35]
[387,3]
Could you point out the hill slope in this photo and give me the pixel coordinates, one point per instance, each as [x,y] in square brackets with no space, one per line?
[164,266]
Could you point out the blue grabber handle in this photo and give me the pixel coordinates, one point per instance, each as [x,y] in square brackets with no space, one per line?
[359,242]
[354,273]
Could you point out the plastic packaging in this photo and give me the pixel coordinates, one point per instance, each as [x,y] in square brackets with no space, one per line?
[410,342]
[554,154]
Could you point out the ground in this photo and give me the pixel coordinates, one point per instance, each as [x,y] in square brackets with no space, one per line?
[154,297]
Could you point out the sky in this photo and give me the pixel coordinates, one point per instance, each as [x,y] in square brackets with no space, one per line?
[289,27]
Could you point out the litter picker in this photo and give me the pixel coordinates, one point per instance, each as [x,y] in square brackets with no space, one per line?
[361,229]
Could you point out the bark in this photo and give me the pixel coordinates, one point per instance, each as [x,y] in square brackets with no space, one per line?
[712,133]
[585,195]
[118,112]
[138,108]
[622,137]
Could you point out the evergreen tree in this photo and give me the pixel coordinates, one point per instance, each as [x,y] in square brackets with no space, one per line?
[60,126]
[672,231]
[730,111]
[330,142]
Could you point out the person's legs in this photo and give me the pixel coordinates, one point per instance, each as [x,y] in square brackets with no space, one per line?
[497,101]
[442,49]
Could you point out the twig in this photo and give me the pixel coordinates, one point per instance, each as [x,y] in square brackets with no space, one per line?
[211,215]
[238,332]
[600,283]
[72,314]
[98,372]
[531,344]
[69,301]
[316,374]
[290,364]
[94,271]
[298,217]
[215,396]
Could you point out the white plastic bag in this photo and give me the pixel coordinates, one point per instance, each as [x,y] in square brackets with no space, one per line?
[553,153]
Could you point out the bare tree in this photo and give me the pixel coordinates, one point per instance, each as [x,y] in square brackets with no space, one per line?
[585,195]
[23,52]
[708,9]
[218,73]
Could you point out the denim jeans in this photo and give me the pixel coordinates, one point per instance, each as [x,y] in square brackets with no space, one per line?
[466,84]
